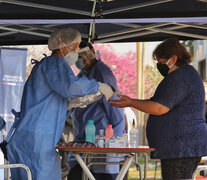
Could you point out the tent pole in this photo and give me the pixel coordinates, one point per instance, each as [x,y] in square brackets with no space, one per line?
[140,88]
[92,25]
[152,31]
[140,5]
[47,7]
[24,32]
[131,30]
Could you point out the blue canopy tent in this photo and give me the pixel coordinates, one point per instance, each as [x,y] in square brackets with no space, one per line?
[26,22]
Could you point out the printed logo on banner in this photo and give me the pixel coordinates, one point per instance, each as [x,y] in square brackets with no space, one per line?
[12,80]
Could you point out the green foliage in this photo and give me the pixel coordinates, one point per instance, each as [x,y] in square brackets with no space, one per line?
[152,79]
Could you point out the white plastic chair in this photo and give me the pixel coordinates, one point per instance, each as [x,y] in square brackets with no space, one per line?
[199,168]
[3,166]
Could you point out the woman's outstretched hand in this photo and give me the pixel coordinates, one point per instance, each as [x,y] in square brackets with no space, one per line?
[124,101]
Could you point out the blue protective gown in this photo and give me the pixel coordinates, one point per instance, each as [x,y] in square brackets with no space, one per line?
[42,117]
[2,123]
[101,112]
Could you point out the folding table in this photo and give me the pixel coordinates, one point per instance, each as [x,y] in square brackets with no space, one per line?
[130,152]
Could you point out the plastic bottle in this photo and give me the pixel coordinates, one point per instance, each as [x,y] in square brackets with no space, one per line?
[96,140]
[101,139]
[134,136]
[125,138]
[109,132]
[90,130]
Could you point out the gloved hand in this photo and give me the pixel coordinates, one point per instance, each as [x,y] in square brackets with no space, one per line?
[106,90]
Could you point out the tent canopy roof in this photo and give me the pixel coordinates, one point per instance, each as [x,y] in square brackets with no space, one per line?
[31,22]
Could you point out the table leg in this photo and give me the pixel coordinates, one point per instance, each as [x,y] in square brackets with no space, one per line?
[145,166]
[138,166]
[125,167]
[84,167]
[84,177]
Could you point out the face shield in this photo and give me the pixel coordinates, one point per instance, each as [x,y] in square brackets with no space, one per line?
[84,58]
[86,53]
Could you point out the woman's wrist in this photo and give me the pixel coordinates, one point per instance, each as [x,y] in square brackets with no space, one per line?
[132,102]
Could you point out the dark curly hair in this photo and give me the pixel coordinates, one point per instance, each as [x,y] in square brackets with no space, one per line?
[84,44]
[170,47]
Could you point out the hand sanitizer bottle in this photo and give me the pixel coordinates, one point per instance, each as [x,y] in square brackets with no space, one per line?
[134,136]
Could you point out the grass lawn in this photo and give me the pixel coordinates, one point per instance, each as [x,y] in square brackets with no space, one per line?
[134,174]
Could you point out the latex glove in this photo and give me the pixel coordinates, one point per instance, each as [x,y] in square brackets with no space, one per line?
[106,90]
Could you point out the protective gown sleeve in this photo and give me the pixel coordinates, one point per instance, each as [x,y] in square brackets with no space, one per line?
[115,115]
[63,81]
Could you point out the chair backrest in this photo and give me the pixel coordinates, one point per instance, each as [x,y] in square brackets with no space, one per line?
[9,166]
[199,168]
[129,116]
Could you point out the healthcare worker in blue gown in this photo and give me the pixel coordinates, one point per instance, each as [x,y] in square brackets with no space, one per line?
[100,111]
[39,124]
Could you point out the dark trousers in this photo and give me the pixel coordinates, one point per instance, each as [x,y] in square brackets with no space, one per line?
[76,174]
[179,168]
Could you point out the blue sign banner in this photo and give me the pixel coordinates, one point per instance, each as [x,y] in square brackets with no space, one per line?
[12,76]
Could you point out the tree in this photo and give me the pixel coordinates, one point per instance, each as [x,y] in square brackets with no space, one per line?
[123,67]
[152,79]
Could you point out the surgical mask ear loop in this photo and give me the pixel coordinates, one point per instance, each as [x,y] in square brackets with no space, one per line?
[171,64]
[62,51]
[65,46]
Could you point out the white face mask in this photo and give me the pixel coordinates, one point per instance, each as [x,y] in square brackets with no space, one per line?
[71,57]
